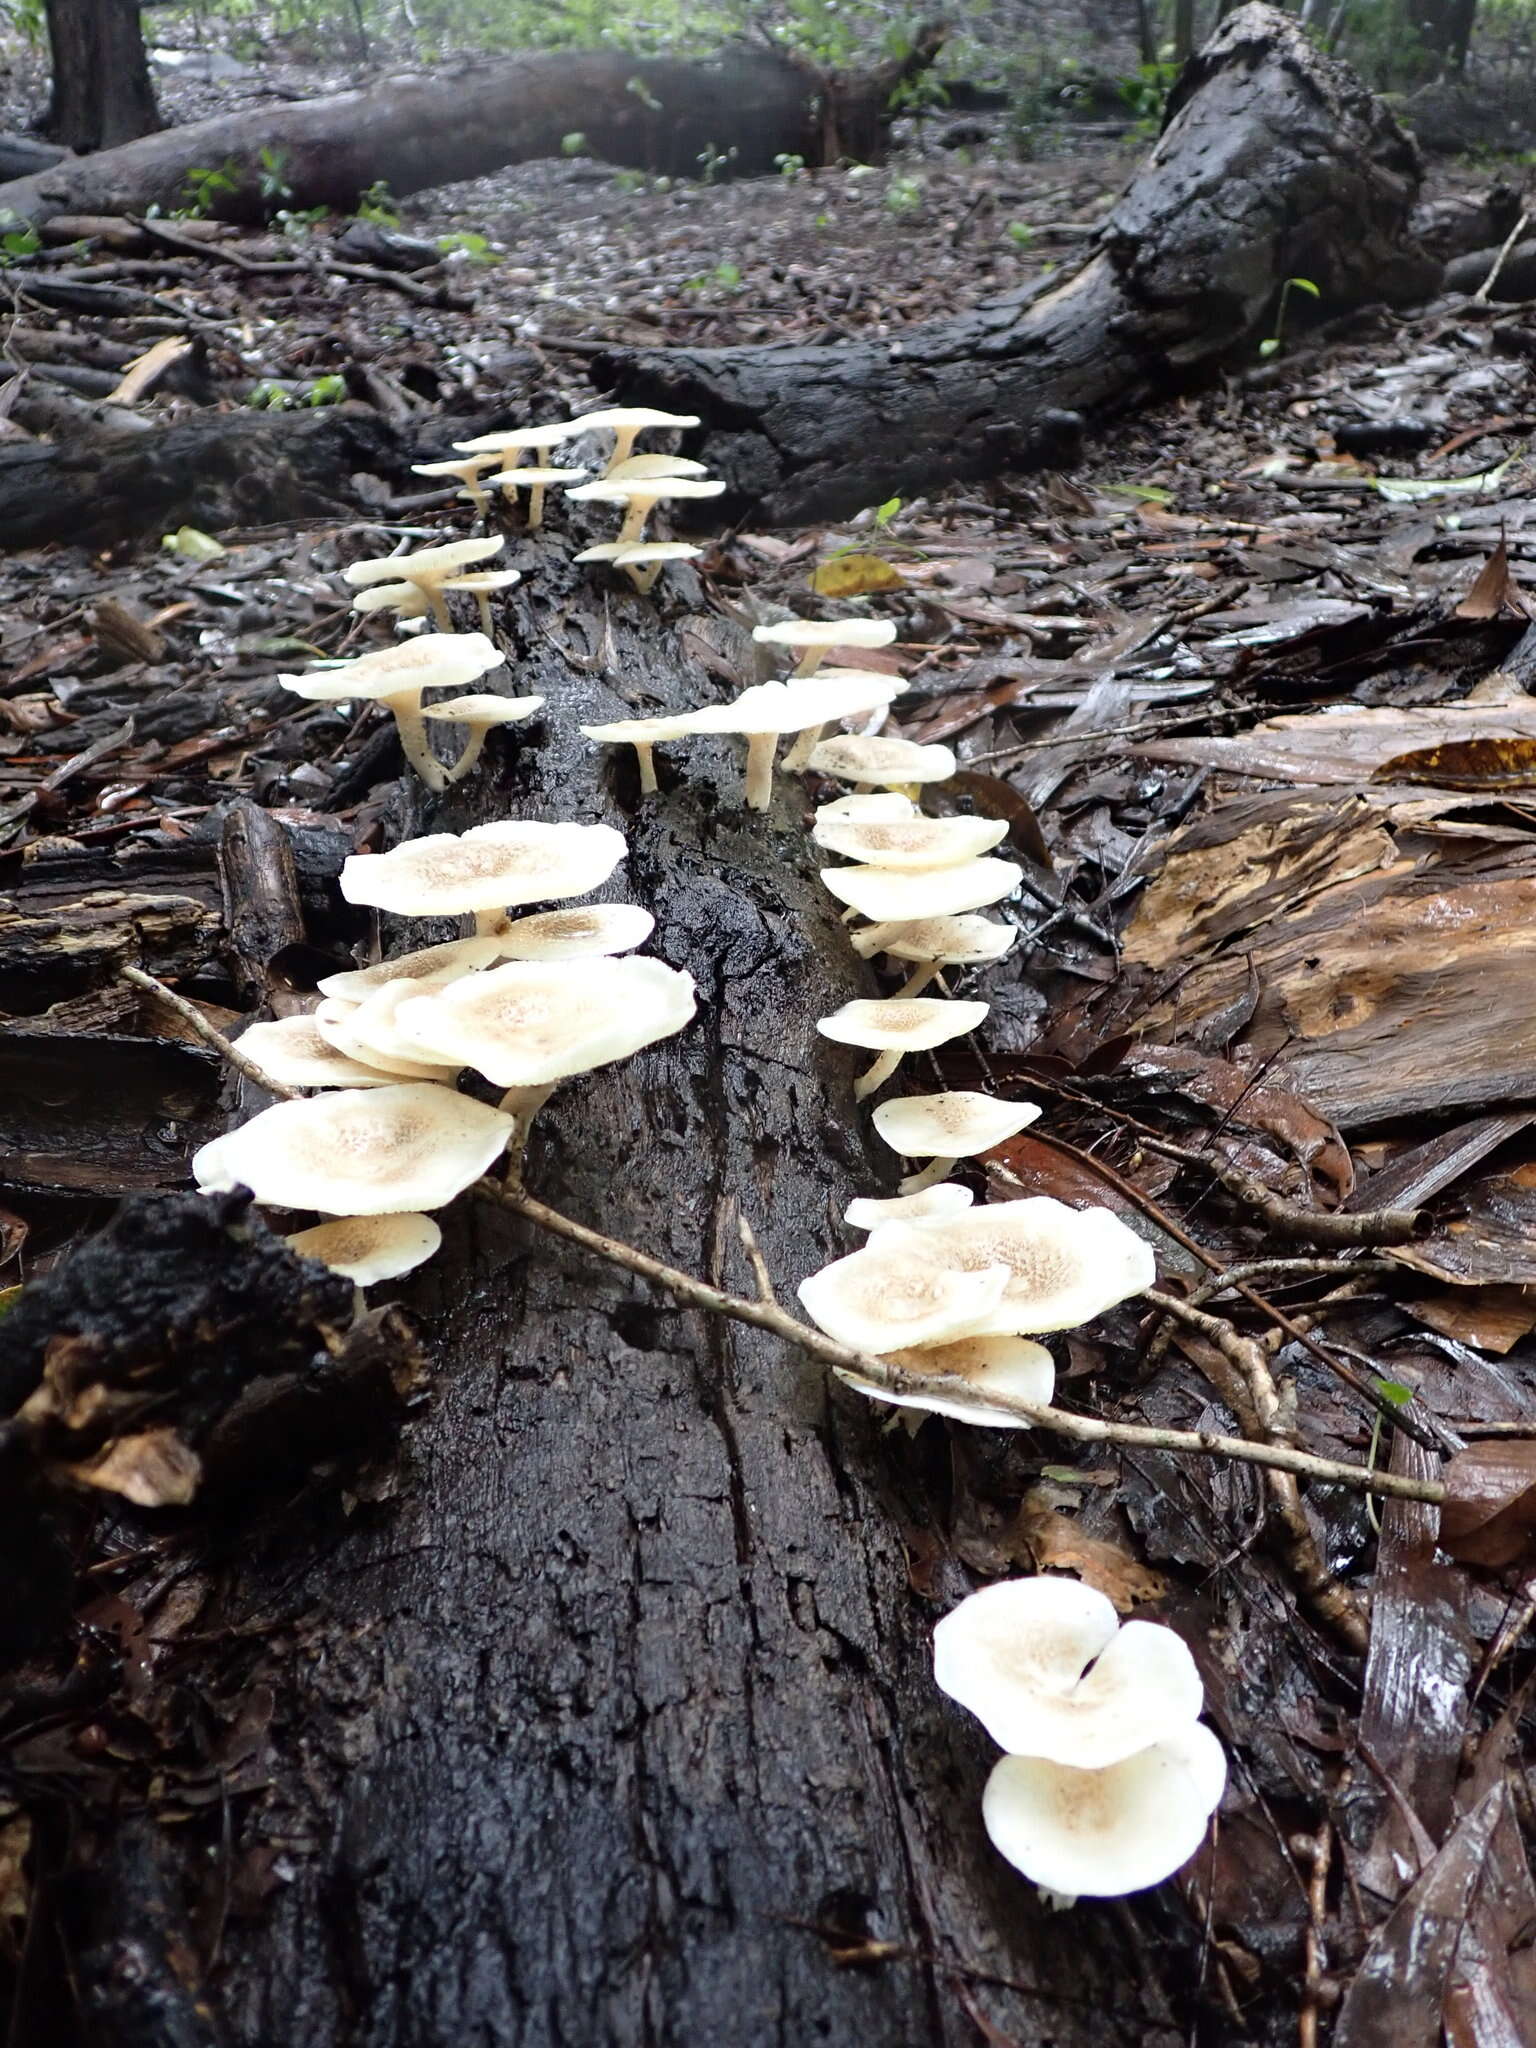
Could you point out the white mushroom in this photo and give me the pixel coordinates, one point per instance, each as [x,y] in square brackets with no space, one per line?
[1066,1265]
[890,898]
[1012,1367]
[934,943]
[1101,1834]
[367,1031]
[944,1129]
[646,466]
[296,1054]
[909,845]
[896,1026]
[368,1249]
[879,1300]
[643,734]
[868,1212]
[535,482]
[482,714]
[885,807]
[593,930]
[511,443]
[428,569]
[482,585]
[628,422]
[486,869]
[426,967]
[409,600]
[642,563]
[396,677]
[641,496]
[766,710]
[815,638]
[362,1152]
[877,758]
[1046,1667]
[467,470]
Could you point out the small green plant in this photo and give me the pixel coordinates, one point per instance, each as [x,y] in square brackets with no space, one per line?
[789,164]
[574,144]
[377,205]
[271,165]
[328,390]
[713,163]
[1271,345]
[1146,92]
[472,247]
[1020,233]
[725,277]
[297,226]
[266,396]
[630,181]
[904,194]
[18,238]
[205,186]
[643,94]
[885,513]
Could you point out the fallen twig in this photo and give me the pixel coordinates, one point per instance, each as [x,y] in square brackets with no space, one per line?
[210,1034]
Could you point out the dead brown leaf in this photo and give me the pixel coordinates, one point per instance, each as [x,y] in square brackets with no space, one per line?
[1495,591]
[855,576]
[1489,1514]
[153,1470]
[1489,1318]
[1465,764]
[1056,1544]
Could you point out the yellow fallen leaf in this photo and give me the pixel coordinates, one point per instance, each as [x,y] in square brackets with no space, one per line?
[855,576]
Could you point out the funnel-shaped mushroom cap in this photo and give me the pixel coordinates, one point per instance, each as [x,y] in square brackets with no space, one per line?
[483,710]
[364,1152]
[792,706]
[586,934]
[408,599]
[370,1248]
[653,490]
[1007,1366]
[638,468]
[621,416]
[486,868]
[535,1022]
[945,1198]
[827,633]
[427,967]
[908,1023]
[295,1053]
[956,1125]
[1047,1669]
[1066,1265]
[881,807]
[484,582]
[432,661]
[855,757]
[513,439]
[427,565]
[878,1300]
[368,1032]
[945,941]
[1101,1834]
[892,898]
[909,845]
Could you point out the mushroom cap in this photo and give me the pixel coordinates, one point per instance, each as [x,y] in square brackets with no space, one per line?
[655,490]
[427,565]
[426,967]
[892,898]
[483,582]
[639,467]
[955,1125]
[370,1248]
[1066,1265]
[432,661]
[633,554]
[545,436]
[1009,1366]
[297,1054]
[586,933]
[943,941]
[879,1300]
[881,806]
[408,599]
[606,551]
[644,732]
[909,845]
[877,757]
[367,1031]
[490,867]
[792,706]
[471,462]
[534,1022]
[1047,1669]
[904,1023]
[1101,1834]
[362,1152]
[944,1198]
[827,633]
[619,416]
[527,478]
[484,710]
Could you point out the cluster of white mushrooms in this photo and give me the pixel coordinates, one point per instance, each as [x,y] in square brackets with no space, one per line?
[1109,1778]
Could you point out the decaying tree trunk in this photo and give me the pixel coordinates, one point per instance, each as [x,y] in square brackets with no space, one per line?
[102,93]
[1275,162]
[610,1719]
[733,115]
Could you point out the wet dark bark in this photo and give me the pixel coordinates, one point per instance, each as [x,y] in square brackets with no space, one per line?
[1275,162]
[102,94]
[737,113]
[611,1720]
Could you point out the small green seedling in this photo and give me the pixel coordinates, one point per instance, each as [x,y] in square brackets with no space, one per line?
[1020,233]
[904,194]
[377,204]
[329,390]
[574,144]
[1271,346]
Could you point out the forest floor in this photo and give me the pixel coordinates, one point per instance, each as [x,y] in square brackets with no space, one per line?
[1250,678]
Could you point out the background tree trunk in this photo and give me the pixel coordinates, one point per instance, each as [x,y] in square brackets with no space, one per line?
[102,94]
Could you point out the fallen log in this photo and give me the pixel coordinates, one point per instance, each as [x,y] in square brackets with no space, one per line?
[734,114]
[1274,162]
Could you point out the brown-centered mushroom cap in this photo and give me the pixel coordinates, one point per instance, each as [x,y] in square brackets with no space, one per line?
[891,898]
[491,867]
[897,1026]
[909,845]
[643,734]
[944,941]
[368,1249]
[397,676]
[877,758]
[295,1053]
[765,710]
[943,1128]
[587,932]
[877,1302]
[367,1031]
[1010,1367]
[427,967]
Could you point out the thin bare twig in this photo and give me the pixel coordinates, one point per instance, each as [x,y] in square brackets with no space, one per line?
[210,1034]
[879,1372]
[1289,1219]
[1481,296]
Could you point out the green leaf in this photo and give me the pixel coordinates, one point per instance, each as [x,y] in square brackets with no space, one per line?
[1394,1391]
[1064,1475]
[192,545]
[1304,284]
[1270,347]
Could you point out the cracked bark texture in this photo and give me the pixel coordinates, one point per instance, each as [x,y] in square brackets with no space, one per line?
[1274,162]
[620,1680]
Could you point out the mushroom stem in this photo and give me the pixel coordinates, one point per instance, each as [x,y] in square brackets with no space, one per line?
[635,516]
[624,439]
[760,751]
[535,509]
[645,758]
[877,1075]
[522,1105]
[417,748]
[931,1175]
[490,924]
[809,662]
[915,982]
[800,753]
[473,749]
[644,580]
[442,618]
[484,603]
